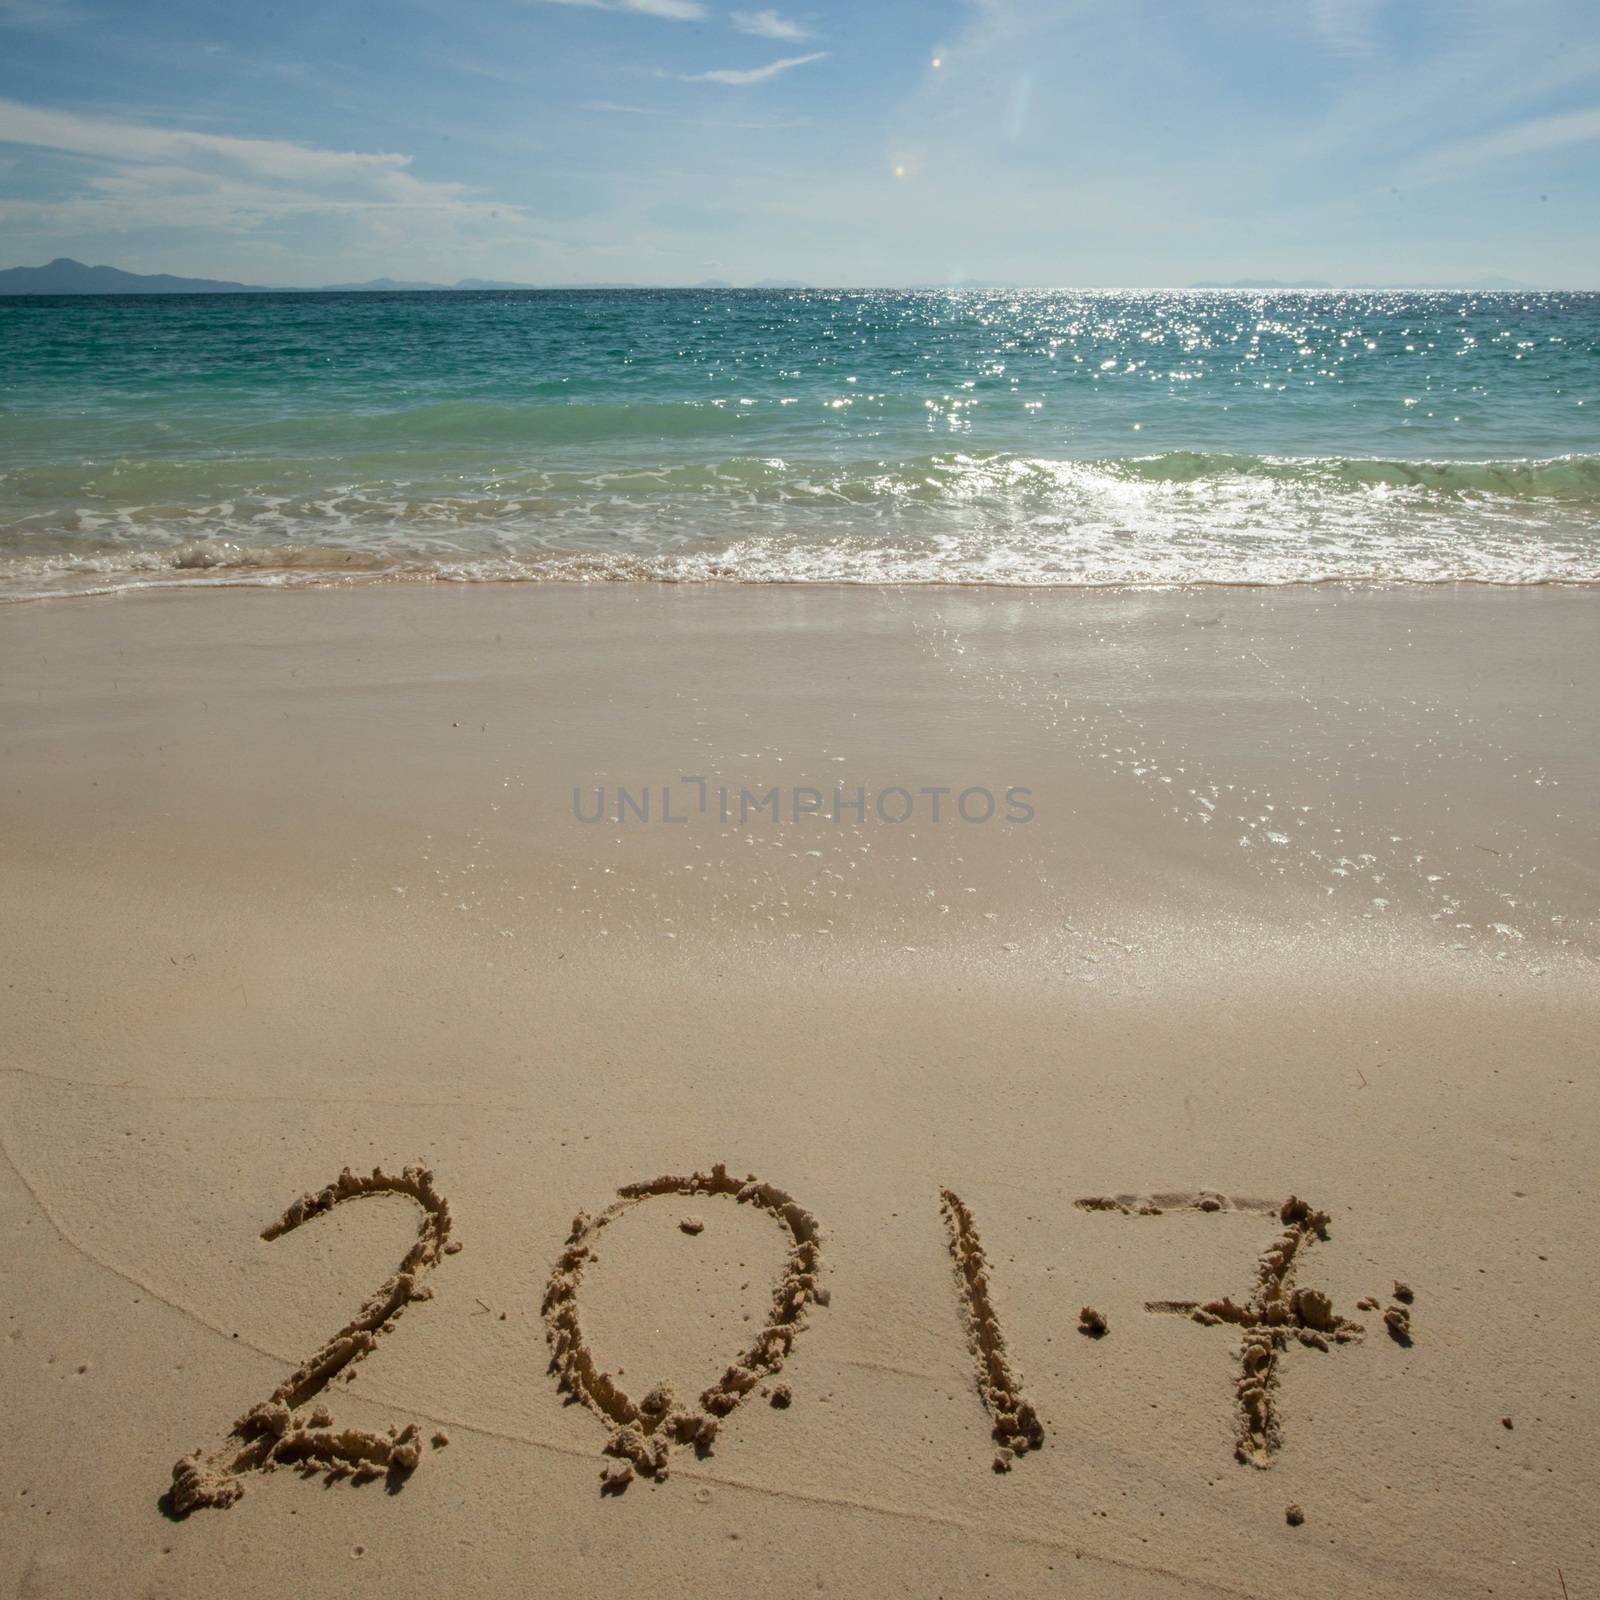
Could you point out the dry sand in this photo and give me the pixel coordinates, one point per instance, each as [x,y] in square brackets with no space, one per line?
[1306,907]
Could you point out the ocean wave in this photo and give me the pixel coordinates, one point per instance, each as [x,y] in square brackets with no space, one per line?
[952,517]
[400,482]
[1567,477]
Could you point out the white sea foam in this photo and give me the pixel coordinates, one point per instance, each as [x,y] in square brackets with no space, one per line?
[952,518]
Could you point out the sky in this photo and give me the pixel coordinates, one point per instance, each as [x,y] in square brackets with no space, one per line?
[851,142]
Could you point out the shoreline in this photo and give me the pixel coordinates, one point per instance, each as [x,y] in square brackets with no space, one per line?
[320,581]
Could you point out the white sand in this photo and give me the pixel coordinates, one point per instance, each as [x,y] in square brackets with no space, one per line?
[290,882]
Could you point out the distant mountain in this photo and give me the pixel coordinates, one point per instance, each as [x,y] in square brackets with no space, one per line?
[1488,285]
[400,286]
[65,276]
[760,283]
[379,286]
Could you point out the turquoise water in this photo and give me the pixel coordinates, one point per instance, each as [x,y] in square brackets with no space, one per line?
[1004,437]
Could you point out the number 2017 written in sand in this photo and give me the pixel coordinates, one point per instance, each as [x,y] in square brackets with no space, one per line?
[294,1427]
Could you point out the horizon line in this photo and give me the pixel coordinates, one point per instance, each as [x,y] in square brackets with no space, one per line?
[1488,283]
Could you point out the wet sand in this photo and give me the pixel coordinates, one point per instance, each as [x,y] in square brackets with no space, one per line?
[1305,906]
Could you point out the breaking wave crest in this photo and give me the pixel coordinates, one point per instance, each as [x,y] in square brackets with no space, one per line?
[952,517]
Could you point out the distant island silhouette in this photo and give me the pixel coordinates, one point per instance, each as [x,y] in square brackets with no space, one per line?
[65,276]
[1490,284]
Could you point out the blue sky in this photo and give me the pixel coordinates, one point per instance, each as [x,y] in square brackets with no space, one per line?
[1124,142]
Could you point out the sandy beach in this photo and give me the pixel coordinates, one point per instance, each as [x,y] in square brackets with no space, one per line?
[1255,1010]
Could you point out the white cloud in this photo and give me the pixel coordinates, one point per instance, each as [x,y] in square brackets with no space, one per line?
[40,13]
[1346,26]
[1520,139]
[670,10]
[768,25]
[744,75]
[142,177]
[108,139]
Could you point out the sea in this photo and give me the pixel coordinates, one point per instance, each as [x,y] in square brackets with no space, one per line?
[1016,437]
